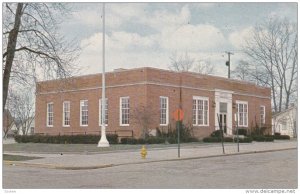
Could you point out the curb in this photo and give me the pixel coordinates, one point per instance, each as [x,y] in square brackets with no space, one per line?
[60,167]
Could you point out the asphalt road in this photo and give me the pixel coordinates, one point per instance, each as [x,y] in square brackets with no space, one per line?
[262,170]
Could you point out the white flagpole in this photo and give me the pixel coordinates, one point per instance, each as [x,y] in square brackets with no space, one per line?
[103,141]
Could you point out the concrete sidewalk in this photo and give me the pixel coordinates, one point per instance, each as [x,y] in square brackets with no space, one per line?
[101,160]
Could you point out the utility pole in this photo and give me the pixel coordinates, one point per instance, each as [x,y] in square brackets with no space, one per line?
[228,62]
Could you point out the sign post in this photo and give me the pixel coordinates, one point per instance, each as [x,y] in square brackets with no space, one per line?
[178,116]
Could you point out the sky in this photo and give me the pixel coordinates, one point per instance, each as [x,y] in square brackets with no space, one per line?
[148,34]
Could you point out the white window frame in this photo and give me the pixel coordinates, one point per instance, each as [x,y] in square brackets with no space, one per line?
[204,99]
[63,114]
[47,118]
[121,98]
[167,111]
[238,102]
[264,118]
[82,102]
[100,111]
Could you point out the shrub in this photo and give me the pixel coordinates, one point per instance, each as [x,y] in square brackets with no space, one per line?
[261,138]
[242,131]
[171,135]
[172,140]
[62,139]
[228,139]
[155,140]
[277,134]
[282,137]
[216,133]
[269,138]
[211,139]
[244,140]
[129,141]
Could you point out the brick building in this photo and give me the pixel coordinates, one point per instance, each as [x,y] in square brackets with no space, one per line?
[146,98]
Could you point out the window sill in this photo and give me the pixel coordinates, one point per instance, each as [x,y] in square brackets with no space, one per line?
[164,125]
[124,125]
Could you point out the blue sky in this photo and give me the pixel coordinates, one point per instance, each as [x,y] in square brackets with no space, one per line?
[146,34]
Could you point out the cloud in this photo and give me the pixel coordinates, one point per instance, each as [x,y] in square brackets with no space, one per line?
[193,38]
[238,38]
[161,19]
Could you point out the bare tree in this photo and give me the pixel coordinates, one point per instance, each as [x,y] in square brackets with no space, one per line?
[186,63]
[204,67]
[273,50]
[144,116]
[32,45]
[8,122]
[21,106]
[242,71]
[181,63]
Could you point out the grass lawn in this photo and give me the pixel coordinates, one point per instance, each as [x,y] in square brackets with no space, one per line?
[18,157]
[65,148]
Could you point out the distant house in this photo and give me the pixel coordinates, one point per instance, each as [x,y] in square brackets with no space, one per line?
[285,122]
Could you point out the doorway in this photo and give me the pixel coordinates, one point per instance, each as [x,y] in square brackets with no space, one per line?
[223,116]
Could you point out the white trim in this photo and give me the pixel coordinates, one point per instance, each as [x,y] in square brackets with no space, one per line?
[237,104]
[81,101]
[154,83]
[63,113]
[120,109]
[204,99]
[100,111]
[167,111]
[47,115]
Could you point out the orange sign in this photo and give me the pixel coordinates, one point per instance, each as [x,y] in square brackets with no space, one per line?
[178,115]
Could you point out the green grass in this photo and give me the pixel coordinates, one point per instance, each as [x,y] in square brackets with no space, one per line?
[18,157]
[65,148]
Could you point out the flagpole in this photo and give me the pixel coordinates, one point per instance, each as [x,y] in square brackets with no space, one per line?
[103,141]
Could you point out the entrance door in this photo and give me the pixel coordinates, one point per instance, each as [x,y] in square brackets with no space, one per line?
[223,121]
[223,116]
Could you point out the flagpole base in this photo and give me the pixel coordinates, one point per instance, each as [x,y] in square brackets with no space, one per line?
[103,143]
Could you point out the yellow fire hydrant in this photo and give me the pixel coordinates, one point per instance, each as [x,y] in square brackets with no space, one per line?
[143,152]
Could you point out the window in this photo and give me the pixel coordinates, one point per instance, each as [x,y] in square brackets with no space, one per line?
[242,113]
[50,114]
[200,111]
[66,114]
[84,113]
[124,111]
[100,111]
[164,110]
[262,115]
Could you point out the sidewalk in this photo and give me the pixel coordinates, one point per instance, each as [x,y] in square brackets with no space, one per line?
[101,160]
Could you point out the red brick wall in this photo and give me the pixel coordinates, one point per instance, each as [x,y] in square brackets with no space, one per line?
[144,86]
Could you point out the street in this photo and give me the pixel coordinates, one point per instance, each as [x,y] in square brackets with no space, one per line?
[277,169]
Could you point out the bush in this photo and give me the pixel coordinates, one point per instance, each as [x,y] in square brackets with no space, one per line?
[261,138]
[282,137]
[172,135]
[211,139]
[129,141]
[244,140]
[62,139]
[216,133]
[172,140]
[277,134]
[242,131]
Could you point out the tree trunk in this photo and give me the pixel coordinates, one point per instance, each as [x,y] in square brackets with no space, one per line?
[11,46]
